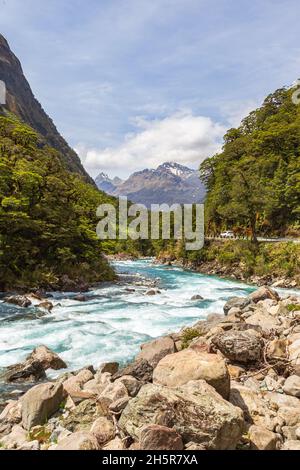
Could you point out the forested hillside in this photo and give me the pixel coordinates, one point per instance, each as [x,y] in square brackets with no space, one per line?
[254,184]
[47,216]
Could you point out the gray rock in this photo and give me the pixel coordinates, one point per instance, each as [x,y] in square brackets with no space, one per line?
[239,346]
[195,411]
[236,302]
[140,369]
[155,437]
[178,369]
[19,300]
[40,403]
[155,350]
[292,386]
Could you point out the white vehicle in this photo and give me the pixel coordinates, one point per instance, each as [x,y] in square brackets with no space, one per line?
[227,234]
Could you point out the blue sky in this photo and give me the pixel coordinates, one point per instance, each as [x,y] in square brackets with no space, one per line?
[134,83]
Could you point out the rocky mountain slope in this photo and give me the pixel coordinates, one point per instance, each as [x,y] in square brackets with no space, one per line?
[22,102]
[170,183]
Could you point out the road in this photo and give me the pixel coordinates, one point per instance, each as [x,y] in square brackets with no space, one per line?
[260,239]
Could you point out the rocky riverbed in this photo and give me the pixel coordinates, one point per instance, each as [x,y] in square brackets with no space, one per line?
[228,382]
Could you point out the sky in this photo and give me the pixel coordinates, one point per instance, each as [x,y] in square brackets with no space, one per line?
[134,83]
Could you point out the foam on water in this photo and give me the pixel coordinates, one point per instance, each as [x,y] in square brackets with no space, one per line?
[113,323]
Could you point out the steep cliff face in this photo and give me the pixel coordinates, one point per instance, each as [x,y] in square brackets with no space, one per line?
[21,101]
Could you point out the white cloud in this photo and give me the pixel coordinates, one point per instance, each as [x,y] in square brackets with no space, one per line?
[182,137]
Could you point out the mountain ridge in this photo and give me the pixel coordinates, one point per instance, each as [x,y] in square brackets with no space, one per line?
[21,101]
[169,183]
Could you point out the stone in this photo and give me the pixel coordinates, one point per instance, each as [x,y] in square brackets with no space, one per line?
[40,403]
[103,429]
[115,444]
[288,407]
[117,406]
[113,392]
[132,385]
[256,409]
[19,300]
[292,386]
[74,384]
[181,367]
[194,446]
[81,298]
[84,415]
[155,437]
[15,439]
[31,445]
[264,293]
[236,302]
[140,369]
[197,297]
[111,367]
[277,349]
[47,358]
[12,413]
[235,371]
[47,305]
[239,346]
[291,445]
[80,440]
[27,371]
[194,410]
[263,319]
[155,350]
[294,351]
[152,292]
[262,439]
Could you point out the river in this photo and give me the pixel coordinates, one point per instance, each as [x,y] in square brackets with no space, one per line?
[114,322]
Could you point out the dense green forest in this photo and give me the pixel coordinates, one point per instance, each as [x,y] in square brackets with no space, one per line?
[254,183]
[47,216]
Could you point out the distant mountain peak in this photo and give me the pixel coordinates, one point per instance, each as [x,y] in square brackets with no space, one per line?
[169,183]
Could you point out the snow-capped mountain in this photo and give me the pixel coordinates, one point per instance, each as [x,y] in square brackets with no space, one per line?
[170,183]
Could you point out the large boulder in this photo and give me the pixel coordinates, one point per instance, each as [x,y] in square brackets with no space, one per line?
[239,346]
[73,386]
[40,403]
[292,386]
[264,320]
[264,293]
[79,441]
[288,407]
[27,371]
[132,385]
[262,439]
[155,437]
[17,438]
[155,350]
[10,416]
[47,358]
[256,409]
[140,369]
[103,429]
[235,302]
[194,410]
[179,368]
[110,367]
[83,416]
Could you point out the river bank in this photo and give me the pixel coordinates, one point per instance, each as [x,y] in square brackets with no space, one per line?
[276,265]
